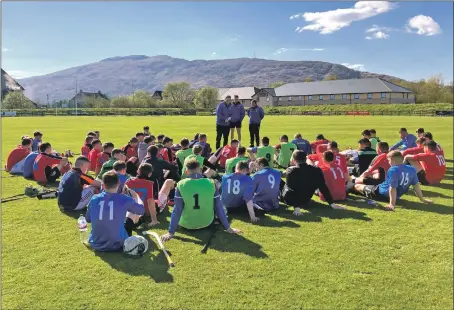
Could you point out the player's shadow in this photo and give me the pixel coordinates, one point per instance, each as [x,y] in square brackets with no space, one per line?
[442,186]
[426,207]
[265,220]
[315,211]
[431,194]
[222,241]
[153,264]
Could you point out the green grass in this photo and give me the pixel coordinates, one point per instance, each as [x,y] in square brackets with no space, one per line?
[362,258]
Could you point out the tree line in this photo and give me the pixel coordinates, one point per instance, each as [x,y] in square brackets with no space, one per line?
[181,95]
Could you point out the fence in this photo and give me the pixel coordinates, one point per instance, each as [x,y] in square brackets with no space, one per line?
[200,112]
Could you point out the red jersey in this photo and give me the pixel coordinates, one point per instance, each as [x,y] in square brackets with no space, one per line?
[379,162]
[339,160]
[143,188]
[413,151]
[41,162]
[166,154]
[227,153]
[101,158]
[85,150]
[314,144]
[93,157]
[130,151]
[434,165]
[16,156]
[321,148]
[438,151]
[335,180]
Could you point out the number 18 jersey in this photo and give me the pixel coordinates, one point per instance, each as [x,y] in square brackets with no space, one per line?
[266,184]
[236,190]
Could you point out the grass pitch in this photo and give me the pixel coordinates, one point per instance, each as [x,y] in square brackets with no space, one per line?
[361,258]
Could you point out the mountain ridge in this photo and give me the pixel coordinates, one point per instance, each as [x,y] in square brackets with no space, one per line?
[120,75]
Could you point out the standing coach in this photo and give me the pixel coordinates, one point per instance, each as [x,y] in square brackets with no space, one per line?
[223,116]
[256,114]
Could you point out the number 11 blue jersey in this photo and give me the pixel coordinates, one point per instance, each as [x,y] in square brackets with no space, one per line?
[236,190]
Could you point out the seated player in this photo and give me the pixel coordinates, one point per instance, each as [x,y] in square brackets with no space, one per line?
[430,166]
[415,150]
[301,144]
[142,147]
[47,168]
[335,178]
[285,150]
[366,134]
[365,156]
[97,134]
[16,159]
[104,156]
[86,147]
[144,188]
[302,181]
[319,139]
[194,141]
[373,139]
[142,151]
[165,152]
[76,188]
[120,169]
[376,173]
[206,148]
[264,150]
[116,155]
[132,165]
[224,153]
[181,154]
[428,136]
[146,131]
[230,164]
[130,149]
[159,166]
[237,191]
[339,159]
[420,132]
[203,162]
[159,143]
[266,185]
[37,140]
[396,184]
[28,165]
[407,140]
[197,202]
[110,215]
[93,155]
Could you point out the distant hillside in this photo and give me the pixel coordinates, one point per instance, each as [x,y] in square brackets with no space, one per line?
[120,75]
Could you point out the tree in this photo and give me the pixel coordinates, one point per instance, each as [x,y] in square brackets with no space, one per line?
[96,102]
[121,102]
[330,77]
[276,84]
[142,99]
[16,100]
[308,79]
[178,94]
[206,97]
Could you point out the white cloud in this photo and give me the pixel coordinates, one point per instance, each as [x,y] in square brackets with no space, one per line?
[377,32]
[213,54]
[425,25]
[334,20]
[234,38]
[378,35]
[19,74]
[359,67]
[284,50]
[4,50]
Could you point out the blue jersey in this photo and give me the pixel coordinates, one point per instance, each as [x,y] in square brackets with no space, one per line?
[266,183]
[303,145]
[35,145]
[236,190]
[122,178]
[28,165]
[399,177]
[107,213]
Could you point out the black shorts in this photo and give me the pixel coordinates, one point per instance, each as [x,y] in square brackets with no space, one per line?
[372,192]
[235,124]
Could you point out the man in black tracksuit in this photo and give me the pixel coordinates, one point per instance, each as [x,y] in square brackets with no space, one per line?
[302,182]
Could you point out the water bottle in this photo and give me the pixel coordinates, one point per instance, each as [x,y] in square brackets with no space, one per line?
[83,229]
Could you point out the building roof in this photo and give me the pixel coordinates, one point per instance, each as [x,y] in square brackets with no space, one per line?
[352,86]
[267,90]
[243,93]
[10,84]
[89,94]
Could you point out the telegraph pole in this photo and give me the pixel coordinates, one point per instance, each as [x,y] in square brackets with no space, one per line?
[75,98]
[132,89]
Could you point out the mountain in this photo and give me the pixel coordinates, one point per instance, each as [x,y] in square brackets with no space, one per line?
[121,75]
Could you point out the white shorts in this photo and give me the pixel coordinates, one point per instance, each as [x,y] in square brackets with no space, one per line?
[86,196]
[18,168]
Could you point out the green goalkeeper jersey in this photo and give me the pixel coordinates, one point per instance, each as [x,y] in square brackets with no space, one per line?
[198,198]
[231,163]
[266,152]
[181,155]
[285,154]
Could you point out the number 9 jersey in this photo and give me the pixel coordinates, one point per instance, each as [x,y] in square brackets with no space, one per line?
[236,190]
[266,183]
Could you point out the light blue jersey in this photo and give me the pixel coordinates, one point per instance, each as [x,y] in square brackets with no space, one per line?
[236,189]
[28,165]
[266,188]
[400,177]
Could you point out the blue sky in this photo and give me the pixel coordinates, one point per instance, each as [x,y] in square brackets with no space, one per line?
[411,40]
